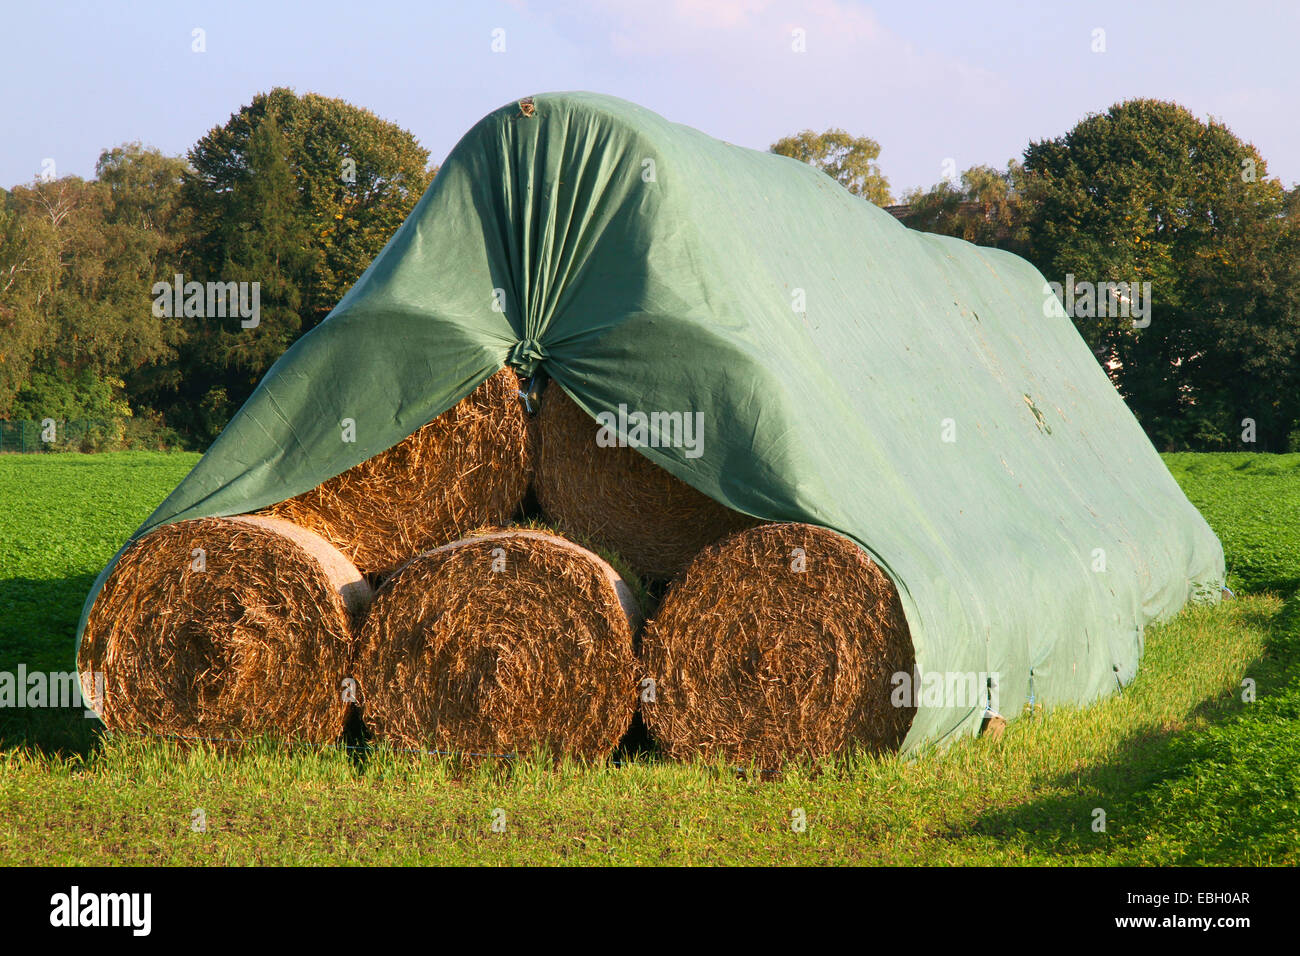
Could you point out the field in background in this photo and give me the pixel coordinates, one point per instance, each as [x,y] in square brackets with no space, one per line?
[1184,770]
[1253,504]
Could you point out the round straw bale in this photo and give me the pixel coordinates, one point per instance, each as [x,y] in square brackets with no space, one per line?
[780,641]
[467,468]
[226,627]
[501,643]
[618,498]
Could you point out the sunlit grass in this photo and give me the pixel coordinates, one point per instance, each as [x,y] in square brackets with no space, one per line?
[1027,797]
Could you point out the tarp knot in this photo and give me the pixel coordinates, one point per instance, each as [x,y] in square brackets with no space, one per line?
[526,356]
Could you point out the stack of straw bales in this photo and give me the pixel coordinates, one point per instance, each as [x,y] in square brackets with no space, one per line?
[771,641]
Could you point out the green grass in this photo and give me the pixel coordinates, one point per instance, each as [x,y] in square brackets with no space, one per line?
[62,517]
[1183,768]
[1236,783]
[1253,503]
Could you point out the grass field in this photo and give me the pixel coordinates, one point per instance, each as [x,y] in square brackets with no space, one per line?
[1252,502]
[1185,771]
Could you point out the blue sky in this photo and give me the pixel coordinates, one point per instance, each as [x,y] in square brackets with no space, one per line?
[964,81]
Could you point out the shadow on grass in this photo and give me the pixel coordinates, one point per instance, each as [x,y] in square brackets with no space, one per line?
[1062,826]
[38,630]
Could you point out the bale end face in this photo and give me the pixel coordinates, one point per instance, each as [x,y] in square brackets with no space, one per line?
[781,641]
[617,498]
[499,644]
[226,627]
[468,467]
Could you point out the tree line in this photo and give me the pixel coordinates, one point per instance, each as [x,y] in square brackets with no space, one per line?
[299,193]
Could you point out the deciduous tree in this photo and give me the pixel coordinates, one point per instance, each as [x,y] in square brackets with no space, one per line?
[1148,192]
[850,160]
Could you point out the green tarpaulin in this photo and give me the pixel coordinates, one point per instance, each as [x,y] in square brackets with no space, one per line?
[912,391]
